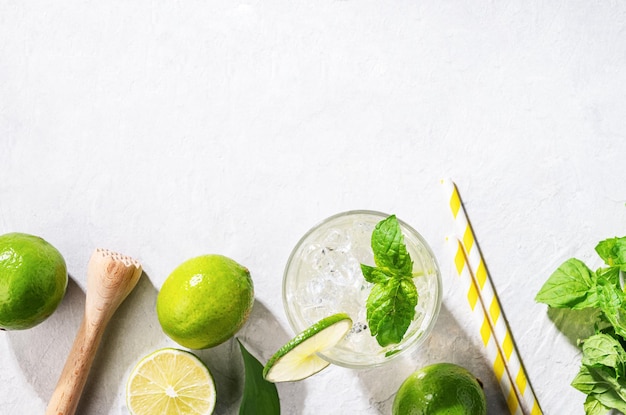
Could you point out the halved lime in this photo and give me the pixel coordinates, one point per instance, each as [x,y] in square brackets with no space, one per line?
[170,382]
[298,358]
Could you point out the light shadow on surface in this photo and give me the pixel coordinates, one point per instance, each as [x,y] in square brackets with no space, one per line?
[262,335]
[131,333]
[574,324]
[448,342]
[41,351]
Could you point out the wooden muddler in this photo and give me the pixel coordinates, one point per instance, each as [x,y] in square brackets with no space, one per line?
[110,278]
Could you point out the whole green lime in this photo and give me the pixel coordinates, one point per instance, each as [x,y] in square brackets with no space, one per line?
[441,388]
[205,301]
[33,279]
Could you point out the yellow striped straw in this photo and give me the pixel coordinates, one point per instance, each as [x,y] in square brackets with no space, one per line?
[494,331]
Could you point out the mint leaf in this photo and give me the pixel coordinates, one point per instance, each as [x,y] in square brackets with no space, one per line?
[613,252]
[611,302]
[390,253]
[602,376]
[602,385]
[594,407]
[612,398]
[390,309]
[603,349]
[568,287]
[608,276]
[373,274]
[587,383]
[391,303]
[260,397]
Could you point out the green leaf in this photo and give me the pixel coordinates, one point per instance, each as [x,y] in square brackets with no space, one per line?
[603,349]
[603,386]
[613,252]
[594,407]
[390,309]
[390,253]
[587,383]
[373,274]
[608,276]
[260,397]
[612,399]
[568,287]
[611,302]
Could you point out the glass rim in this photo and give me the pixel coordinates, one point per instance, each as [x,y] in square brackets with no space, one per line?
[406,346]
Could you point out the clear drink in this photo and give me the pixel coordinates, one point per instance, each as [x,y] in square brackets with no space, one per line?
[323,277]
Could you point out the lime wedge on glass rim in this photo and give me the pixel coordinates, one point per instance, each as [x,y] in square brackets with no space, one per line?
[298,358]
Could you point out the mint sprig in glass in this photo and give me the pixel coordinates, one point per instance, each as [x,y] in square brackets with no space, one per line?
[392,301]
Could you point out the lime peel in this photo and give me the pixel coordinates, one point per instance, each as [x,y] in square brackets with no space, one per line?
[440,388]
[205,301]
[33,280]
[298,358]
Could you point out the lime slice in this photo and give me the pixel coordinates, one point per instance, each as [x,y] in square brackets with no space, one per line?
[170,382]
[298,358]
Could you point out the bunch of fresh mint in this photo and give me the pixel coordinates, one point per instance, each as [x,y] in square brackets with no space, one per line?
[391,303]
[573,285]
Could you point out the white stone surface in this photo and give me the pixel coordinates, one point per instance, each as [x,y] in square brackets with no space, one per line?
[166,130]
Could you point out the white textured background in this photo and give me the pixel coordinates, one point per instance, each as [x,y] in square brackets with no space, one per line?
[166,130]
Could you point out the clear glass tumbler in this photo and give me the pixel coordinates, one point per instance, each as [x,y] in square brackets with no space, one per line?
[323,277]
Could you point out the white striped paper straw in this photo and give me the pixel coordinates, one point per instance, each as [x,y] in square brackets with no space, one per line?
[506,363]
[480,312]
